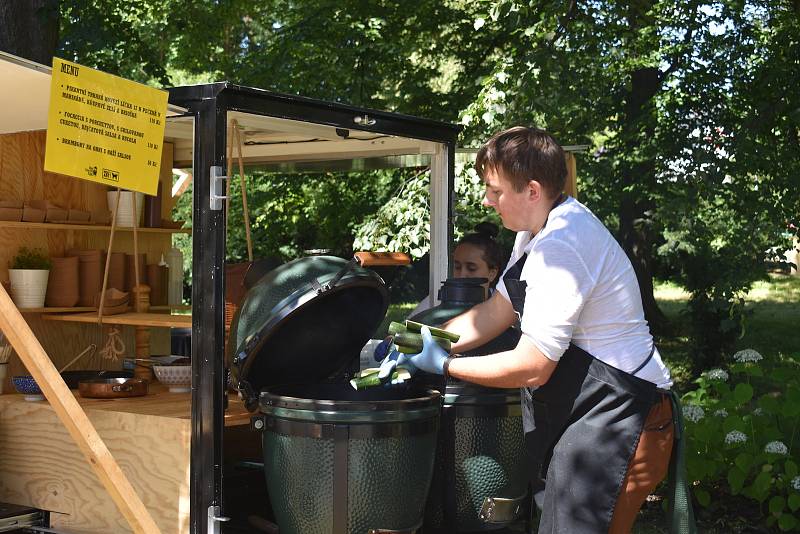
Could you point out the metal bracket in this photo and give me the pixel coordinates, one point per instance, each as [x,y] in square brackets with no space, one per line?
[501,510]
[214,520]
[216,187]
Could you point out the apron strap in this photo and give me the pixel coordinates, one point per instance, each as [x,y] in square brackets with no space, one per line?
[680,511]
[646,360]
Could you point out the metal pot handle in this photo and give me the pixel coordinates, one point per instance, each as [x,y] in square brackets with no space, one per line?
[501,510]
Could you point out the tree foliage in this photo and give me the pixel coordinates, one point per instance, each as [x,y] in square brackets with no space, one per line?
[690,108]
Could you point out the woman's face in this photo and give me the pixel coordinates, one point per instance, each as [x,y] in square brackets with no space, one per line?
[468,262]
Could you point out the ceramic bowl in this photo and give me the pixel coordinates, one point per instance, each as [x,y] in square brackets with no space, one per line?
[28,387]
[177,377]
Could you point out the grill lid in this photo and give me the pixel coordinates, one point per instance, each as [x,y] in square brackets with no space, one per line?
[304,322]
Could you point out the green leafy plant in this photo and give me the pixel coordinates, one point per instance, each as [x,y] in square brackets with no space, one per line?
[741,427]
[30,259]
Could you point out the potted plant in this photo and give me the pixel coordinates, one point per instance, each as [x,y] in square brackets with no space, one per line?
[28,272]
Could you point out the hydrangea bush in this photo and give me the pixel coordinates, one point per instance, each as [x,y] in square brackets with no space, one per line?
[741,429]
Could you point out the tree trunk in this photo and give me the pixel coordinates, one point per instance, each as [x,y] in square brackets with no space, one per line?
[29,29]
[637,132]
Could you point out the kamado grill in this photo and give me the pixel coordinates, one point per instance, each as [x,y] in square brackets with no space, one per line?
[336,460]
[480,480]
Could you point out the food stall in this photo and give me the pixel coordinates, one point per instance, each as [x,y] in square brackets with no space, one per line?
[171,446]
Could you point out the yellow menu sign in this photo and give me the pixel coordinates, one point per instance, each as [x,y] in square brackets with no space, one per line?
[104,128]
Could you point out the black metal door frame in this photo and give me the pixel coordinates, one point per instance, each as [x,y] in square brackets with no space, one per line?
[209,104]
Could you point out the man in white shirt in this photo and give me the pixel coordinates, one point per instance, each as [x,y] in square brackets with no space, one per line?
[597,417]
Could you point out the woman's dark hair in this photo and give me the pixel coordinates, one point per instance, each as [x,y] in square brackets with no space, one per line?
[484,238]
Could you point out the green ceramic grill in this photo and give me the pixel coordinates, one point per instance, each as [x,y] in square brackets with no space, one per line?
[336,460]
[480,480]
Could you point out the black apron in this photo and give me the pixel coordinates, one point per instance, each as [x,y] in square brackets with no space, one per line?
[581,430]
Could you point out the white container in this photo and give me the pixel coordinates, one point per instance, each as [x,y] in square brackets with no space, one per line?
[175,287]
[125,213]
[178,378]
[28,287]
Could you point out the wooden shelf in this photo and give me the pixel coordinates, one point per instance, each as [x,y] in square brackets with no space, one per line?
[131,318]
[79,309]
[158,402]
[57,310]
[61,226]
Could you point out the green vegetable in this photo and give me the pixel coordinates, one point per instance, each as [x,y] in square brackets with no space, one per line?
[413,342]
[397,328]
[435,332]
[371,380]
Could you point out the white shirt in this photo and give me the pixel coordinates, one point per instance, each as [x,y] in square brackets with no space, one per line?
[581,288]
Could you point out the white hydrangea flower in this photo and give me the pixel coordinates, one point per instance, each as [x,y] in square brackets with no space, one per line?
[747,355]
[758,412]
[735,436]
[776,447]
[718,374]
[722,412]
[693,413]
[796,483]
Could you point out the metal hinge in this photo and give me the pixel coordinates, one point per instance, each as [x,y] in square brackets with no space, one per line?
[214,520]
[217,187]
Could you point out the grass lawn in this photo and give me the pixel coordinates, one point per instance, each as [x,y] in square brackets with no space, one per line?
[771,328]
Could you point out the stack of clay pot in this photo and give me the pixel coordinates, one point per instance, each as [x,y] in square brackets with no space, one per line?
[91,264]
[63,283]
[10,210]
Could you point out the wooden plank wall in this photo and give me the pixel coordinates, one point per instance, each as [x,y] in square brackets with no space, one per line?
[41,466]
[22,177]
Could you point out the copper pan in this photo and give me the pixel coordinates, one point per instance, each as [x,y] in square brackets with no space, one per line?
[113,388]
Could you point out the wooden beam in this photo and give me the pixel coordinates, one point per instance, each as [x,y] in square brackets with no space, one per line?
[73,417]
[571,186]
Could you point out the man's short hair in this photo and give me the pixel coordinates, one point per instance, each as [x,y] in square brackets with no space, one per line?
[524,154]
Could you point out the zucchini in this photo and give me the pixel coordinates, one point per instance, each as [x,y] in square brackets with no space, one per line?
[396,328]
[367,372]
[413,342]
[435,332]
[399,376]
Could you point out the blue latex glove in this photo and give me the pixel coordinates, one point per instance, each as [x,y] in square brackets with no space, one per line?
[382,349]
[430,360]
[391,362]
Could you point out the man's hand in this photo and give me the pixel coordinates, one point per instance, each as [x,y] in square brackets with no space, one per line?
[432,357]
[391,362]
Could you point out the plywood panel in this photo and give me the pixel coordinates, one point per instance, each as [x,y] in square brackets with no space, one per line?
[41,466]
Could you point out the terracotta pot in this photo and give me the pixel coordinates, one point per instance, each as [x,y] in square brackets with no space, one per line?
[157,280]
[31,214]
[10,214]
[101,216]
[116,271]
[55,214]
[130,272]
[11,204]
[63,285]
[78,215]
[91,275]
